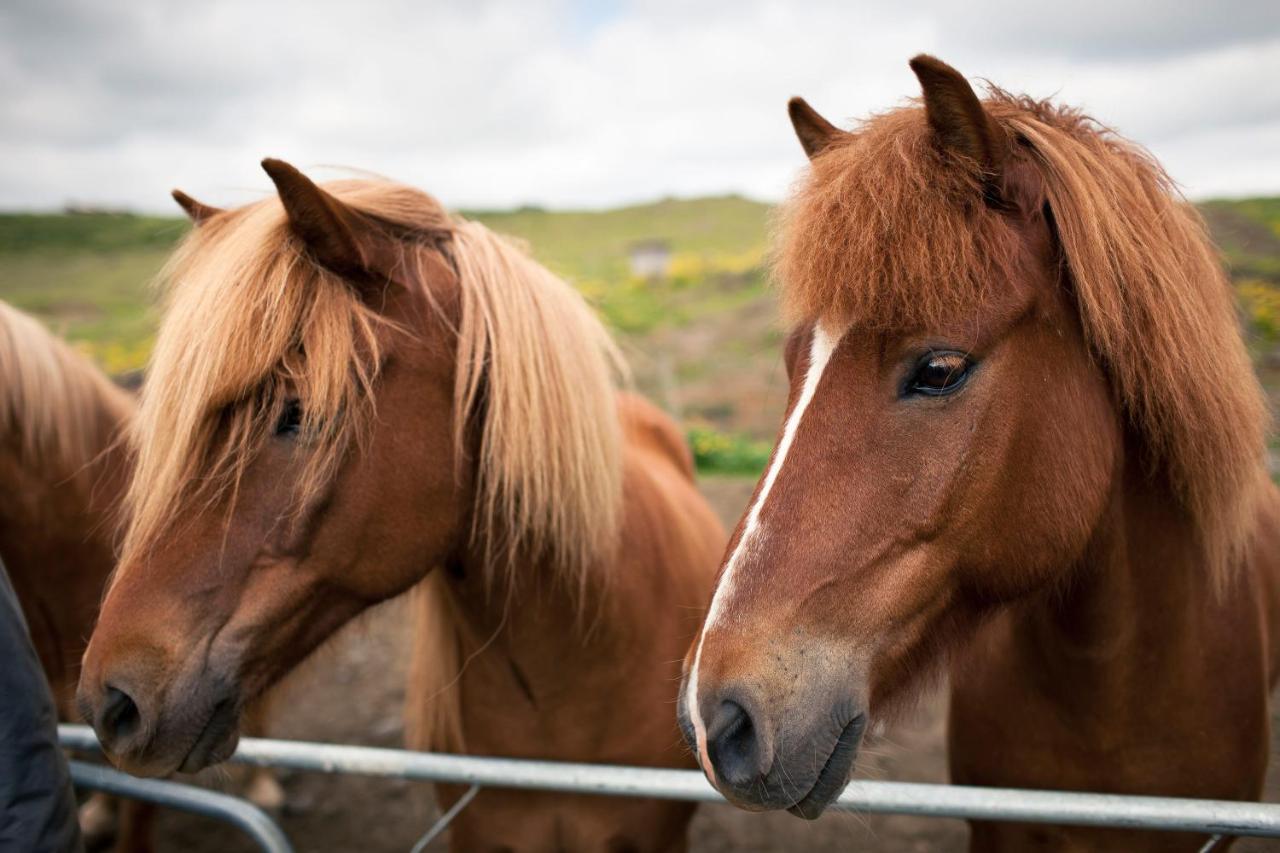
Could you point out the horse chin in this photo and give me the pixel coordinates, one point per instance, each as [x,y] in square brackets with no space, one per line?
[216,742]
[834,774]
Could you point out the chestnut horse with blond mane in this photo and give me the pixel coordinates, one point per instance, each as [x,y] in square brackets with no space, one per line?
[64,466]
[355,394]
[1024,437]
[65,463]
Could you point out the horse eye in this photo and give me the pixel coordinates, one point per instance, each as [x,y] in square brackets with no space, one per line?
[290,422]
[939,373]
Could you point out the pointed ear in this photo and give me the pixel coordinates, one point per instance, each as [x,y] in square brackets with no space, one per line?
[957,116]
[816,134]
[329,228]
[196,210]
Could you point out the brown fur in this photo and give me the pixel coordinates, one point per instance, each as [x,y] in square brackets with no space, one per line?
[65,461]
[64,464]
[459,433]
[442,643]
[1083,528]
[891,231]
[267,303]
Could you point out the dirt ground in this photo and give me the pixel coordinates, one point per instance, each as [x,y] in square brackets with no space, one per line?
[352,693]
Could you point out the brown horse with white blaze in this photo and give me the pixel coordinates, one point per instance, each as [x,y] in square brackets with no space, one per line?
[1024,438]
[355,394]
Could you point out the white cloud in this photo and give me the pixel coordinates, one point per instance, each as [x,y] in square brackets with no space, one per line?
[570,103]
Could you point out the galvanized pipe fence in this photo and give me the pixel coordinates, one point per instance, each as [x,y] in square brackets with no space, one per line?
[242,814]
[1220,818]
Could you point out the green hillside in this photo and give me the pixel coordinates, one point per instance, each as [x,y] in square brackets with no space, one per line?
[87,275]
[1248,232]
[594,244]
[703,340]
[88,232]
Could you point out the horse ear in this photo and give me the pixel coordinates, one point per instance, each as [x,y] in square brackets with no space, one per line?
[957,116]
[815,133]
[327,226]
[794,346]
[197,211]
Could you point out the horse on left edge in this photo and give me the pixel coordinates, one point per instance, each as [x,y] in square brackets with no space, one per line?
[64,469]
[65,465]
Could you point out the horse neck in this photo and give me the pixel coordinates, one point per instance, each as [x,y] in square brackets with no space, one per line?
[542,646]
[57,533]
[55,499]
[531,618]
[1141,611]
[92,487]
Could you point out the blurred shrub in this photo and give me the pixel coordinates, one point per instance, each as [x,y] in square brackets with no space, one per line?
[117,358]
[1260,302]
[726,453]
[691,290]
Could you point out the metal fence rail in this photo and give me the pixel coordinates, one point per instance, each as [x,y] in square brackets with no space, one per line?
[1210,817]
[188,798]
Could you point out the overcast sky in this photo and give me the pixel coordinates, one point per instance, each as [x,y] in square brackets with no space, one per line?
[574,104]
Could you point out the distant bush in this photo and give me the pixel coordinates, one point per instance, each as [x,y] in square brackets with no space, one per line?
[1260,302]
[631,306]
[725,453]
[698,284]
[695,268]
[118,358]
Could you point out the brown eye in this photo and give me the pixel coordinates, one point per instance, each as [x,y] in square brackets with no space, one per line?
[290,422]
[939,373]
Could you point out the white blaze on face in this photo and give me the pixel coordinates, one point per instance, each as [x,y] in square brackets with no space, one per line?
[820,350]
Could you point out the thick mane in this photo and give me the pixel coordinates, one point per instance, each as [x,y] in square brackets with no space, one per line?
[56,408]
[887,232]
[890,232]
[245,302]
[532,353]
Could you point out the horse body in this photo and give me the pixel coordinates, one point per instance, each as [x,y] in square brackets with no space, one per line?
[66,464]
[1140,677]
[1024,438]
[58,552]
[527,675]
[355,395]
[64,467]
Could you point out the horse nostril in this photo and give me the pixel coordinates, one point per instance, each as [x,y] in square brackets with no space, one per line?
[734,746]
[119,719]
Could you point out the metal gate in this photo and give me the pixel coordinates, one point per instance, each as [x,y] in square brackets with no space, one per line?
[1216,818]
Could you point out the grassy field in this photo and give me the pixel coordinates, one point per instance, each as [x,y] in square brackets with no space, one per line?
[87,275]
[703,340]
